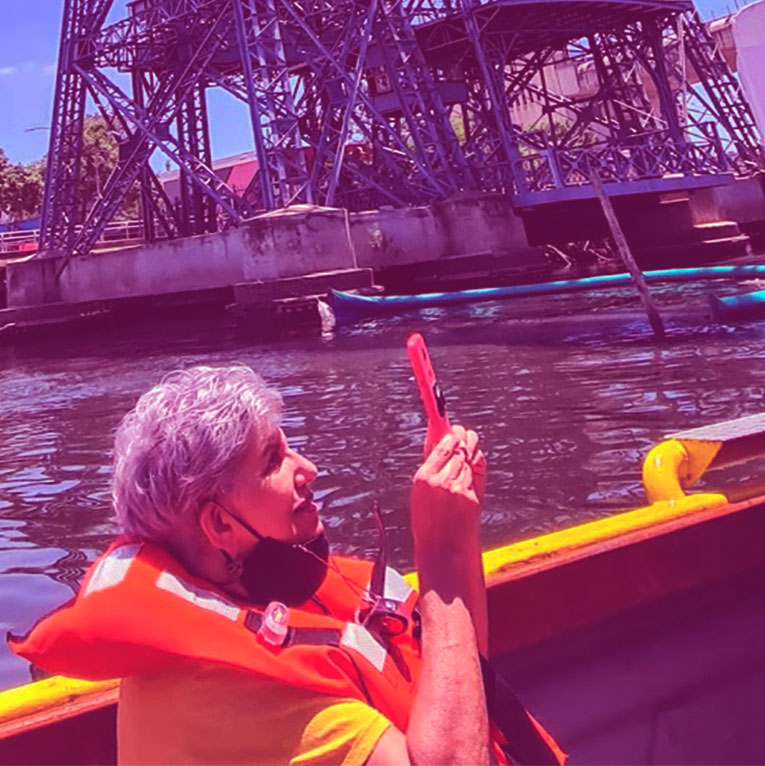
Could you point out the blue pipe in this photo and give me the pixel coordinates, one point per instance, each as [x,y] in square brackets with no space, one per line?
[348,306]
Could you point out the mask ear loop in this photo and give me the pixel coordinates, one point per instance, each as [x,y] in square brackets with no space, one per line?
[234,566]
[372,594]
[254,532]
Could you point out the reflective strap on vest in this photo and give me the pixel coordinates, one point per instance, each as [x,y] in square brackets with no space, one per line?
[298,636]
[113,568]
[354,636]
[357,637]
[204,599]
[396,587]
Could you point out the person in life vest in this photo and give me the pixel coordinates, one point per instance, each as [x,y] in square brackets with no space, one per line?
[240,639]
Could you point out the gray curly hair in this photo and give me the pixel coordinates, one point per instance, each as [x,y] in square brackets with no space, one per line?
[183,443]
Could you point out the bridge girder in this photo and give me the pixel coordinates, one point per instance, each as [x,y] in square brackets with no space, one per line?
[359,103]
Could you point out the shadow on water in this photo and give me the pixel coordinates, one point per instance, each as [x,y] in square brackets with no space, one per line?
[568,394]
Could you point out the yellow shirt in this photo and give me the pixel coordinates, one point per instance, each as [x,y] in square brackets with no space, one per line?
[211,714]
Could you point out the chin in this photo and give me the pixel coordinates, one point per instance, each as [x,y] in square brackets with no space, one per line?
[305,533]
[318,529]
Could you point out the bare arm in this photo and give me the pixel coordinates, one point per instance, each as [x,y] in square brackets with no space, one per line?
[476,595]
[448,722]
[474,576]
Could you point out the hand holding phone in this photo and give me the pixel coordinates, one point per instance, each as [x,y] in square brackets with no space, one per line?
[430,392]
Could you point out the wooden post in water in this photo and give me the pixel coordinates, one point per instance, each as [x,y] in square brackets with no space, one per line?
[626,255]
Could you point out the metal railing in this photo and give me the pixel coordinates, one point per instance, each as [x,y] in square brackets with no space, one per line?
[555,168]
[117,233]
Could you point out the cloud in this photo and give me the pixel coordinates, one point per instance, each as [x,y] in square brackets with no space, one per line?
[29,67]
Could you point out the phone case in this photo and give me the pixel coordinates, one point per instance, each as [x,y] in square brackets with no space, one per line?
[430,392]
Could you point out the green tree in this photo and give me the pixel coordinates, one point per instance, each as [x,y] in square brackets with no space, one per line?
[100,152]
[20,188]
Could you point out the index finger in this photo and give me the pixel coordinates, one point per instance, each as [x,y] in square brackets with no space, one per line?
[441,453]
[459,431]
[471,440]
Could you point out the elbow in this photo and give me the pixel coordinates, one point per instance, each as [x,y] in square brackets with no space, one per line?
[448,753]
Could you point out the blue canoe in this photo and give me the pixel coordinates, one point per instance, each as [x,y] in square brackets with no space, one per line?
[739,308]
[348,307]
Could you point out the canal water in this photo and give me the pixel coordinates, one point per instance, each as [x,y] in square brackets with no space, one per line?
[567,392]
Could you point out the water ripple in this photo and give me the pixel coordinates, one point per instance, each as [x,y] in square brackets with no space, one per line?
[568,394]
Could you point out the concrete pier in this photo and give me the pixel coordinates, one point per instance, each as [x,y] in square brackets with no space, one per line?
[283,246]
[742,202]
[682,228]
[288,243]
[287,254]
[446,244]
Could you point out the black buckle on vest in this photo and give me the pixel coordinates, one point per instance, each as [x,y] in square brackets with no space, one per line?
[297,636]
[386,617]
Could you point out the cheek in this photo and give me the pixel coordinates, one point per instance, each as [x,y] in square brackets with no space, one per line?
[275,506]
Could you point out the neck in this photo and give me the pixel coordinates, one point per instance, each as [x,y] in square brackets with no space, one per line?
[205,562]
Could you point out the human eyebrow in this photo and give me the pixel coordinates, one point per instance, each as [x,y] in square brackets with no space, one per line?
[271,453]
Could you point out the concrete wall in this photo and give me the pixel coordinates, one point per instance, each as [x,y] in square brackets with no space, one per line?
[178,265]
[285,243]
[466,225]
[395,237]
[300,240]
[742,201]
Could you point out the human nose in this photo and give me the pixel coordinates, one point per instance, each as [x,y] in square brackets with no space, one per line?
[305,471]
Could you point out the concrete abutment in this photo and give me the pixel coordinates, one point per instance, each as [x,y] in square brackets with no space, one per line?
[282,245]
[664,230]
[409,249]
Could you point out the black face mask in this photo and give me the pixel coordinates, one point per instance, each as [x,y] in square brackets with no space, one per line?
[287,572]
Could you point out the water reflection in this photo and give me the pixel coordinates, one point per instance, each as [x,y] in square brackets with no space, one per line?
[567,392]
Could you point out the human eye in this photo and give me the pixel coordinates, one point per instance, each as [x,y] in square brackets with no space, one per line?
[274,459]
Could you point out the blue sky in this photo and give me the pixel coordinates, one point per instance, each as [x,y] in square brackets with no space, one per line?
[29,32]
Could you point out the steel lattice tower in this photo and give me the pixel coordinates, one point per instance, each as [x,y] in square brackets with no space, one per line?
[358,103]
[640,118]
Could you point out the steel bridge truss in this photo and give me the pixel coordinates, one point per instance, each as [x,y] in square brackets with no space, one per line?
[633,116]
[362,103]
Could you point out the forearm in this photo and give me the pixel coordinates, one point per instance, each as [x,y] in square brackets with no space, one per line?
[448,722]
[476,596]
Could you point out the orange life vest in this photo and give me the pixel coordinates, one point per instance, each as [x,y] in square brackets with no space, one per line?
[139,611]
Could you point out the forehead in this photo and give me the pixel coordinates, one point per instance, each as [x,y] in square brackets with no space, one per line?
[274,439]
[257,455]
[261,447]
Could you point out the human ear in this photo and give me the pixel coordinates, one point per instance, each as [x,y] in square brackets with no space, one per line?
[216,527]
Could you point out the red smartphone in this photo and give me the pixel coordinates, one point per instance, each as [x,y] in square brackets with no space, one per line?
[430,392]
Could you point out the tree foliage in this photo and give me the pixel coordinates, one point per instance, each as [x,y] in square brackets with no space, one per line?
[100,152]
[21,186]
